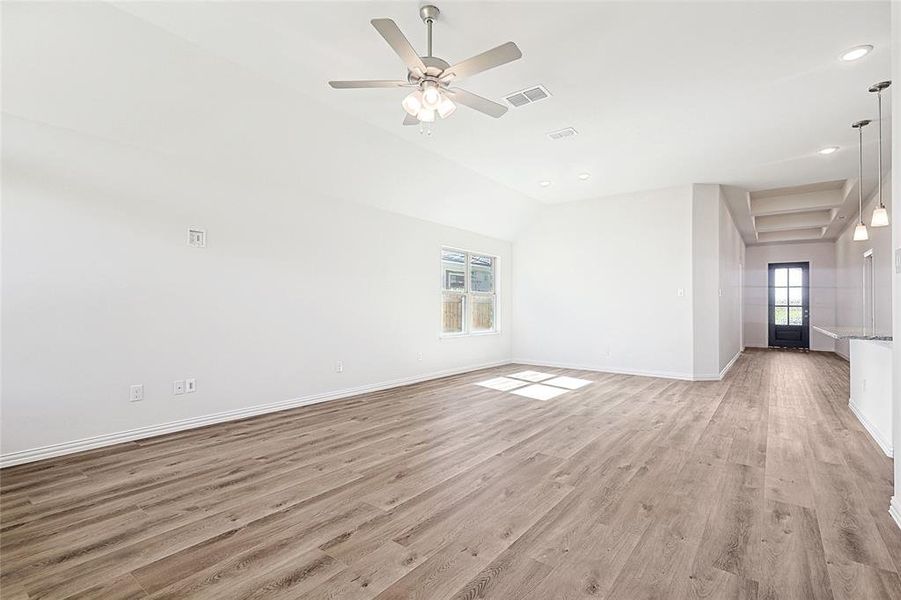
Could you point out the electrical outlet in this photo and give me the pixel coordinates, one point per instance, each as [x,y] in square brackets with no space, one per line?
[178,387]
[419,356]
[339,367]
[190,386]
[680,292]
[136,393]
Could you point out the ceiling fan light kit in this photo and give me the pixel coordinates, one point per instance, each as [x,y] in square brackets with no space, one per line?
[432,77]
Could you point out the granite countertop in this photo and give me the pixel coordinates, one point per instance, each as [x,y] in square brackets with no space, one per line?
[853,333]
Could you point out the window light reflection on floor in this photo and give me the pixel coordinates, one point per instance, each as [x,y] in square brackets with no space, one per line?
[550,387]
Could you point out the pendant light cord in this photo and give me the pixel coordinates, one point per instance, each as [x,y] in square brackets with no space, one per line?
[879,102]
[860,173]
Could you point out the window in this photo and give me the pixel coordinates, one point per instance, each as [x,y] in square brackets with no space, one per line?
[469,292]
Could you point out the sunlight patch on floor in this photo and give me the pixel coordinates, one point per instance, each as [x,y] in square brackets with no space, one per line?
[551,386]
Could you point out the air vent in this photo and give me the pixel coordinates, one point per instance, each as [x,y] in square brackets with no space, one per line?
[562,133]
[527,96]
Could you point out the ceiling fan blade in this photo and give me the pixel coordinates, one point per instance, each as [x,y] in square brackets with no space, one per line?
[482,62]
[411,120]
[367,83]
[483,105]
[396,39]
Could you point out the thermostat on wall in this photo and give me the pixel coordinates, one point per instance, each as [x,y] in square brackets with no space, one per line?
[197,237]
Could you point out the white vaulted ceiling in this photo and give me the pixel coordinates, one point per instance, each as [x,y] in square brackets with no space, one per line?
[737,93]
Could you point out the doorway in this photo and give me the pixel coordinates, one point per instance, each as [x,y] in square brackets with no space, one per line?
[789,305]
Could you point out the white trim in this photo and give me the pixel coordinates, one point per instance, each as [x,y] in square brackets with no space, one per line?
[874,432]
[637,373]
[894,509]
[729,365]
[108,439]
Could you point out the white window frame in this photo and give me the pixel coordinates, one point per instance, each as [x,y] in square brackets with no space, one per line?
[468,294]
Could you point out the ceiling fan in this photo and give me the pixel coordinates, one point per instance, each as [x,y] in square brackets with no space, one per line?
[432,77]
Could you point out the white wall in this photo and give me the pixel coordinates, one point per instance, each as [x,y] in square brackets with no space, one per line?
[596,284]
[100,291]
[896,245]
[705,257]
[871,389]
[821,256]
[731,264]
[849,262]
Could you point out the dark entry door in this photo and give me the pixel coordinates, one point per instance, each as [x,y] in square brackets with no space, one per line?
[789,305]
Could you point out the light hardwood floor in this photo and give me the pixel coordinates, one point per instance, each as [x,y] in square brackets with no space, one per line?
[763,485]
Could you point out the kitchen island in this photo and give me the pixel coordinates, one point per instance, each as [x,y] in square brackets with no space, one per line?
[871,379]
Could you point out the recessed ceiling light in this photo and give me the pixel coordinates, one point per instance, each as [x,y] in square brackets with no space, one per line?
[856,52]
[828,150]
[584,176]
[544,182]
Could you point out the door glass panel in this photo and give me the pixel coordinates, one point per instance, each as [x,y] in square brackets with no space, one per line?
[794,316]
[794,296]
[781,296]
[794,277]
[781,315]
[781,278]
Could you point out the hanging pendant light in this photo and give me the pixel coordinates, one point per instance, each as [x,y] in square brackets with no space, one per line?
[880,214]
[860,232]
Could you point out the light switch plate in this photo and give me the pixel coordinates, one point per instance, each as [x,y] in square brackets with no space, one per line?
[197,237]
[190,385]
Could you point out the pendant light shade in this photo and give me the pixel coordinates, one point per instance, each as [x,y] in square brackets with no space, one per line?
[860,232]
[880,217]
[880,214]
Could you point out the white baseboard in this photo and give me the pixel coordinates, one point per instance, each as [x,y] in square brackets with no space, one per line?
[637,373]
[877,436]
[894,509]
[719,376]
[730,364]
[579,367]
[109,439]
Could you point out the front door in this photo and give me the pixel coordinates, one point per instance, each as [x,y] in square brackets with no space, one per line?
[789,305]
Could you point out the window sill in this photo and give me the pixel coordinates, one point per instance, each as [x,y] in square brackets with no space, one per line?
[450,336]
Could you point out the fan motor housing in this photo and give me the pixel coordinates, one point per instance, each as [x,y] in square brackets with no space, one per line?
[433,68]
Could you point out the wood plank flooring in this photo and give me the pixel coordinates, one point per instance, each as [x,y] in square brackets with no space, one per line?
[761,486]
